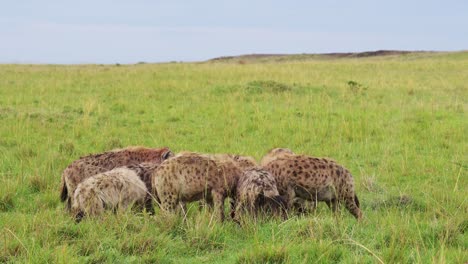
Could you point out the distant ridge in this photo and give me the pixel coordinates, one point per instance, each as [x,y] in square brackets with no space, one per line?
[335,55]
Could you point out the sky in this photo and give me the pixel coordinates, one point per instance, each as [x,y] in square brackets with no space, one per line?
[118,31]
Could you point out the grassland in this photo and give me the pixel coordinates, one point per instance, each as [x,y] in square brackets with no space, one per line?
[399,123]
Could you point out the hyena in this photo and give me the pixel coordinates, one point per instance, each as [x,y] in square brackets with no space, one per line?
[189,177]
[116,189]
[313,179]
[256,189]
[90,165]
[229,162]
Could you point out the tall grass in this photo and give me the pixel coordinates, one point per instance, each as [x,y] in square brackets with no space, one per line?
[398,123]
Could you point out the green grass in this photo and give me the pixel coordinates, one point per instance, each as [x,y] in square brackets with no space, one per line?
[398,123]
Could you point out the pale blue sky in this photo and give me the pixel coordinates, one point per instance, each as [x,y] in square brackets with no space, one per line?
[117,31]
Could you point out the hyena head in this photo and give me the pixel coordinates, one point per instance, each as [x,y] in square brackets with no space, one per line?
[280,206]
[275,154]
[277,205]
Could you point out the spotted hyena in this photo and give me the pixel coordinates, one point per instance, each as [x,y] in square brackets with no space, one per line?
[189,177]
[256,189]
[116,189]
[313,179]
[88,166]
[229,162]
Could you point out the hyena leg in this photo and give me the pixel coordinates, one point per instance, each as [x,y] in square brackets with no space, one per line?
[332,204]
[352,207]
[218,201]
[124,205]
[169,203]
[253,207]
[206,203]
[300,205]
[237,213]
[201,204]
[233,202]
[291,194]
[313,205]
[149,205]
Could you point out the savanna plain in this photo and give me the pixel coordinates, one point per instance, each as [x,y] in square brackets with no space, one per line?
[398,123]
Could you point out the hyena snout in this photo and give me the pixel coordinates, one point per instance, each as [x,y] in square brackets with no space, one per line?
[277,205]
[280,206]
[79,216]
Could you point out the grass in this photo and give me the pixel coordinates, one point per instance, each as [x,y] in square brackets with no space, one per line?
[398,123]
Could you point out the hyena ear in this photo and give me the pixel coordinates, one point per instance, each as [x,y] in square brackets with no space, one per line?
[167,155]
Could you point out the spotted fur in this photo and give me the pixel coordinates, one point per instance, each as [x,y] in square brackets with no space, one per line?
[144,171]
[116,189]
[189,177]
[88,166]
[257,190]
[313,179]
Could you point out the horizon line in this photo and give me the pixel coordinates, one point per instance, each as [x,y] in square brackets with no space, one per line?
[225,57]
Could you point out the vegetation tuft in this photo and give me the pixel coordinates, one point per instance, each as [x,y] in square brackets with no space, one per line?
[267,86]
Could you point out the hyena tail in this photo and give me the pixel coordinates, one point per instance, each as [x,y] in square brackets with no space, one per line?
[356,200]
[64,196]
[64,192]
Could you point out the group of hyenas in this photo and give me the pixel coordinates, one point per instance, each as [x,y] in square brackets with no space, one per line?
[140,176]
